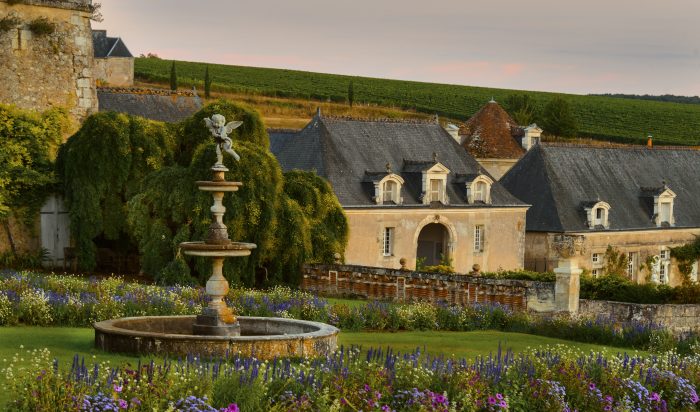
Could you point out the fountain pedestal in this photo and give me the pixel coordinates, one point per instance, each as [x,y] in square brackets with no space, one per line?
[217,319]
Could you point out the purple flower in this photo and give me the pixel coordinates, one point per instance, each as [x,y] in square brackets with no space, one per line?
[499,396]
[123,404]
[492,400]
[231,408]
[591,386]
[655,397]
[503,404]
[118,388]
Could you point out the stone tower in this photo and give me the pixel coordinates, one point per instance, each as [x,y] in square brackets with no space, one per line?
[53,67]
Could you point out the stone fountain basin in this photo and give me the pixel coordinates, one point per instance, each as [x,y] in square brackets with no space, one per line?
[264,338]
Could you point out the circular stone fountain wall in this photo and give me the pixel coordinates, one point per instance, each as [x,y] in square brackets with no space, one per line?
[264,338]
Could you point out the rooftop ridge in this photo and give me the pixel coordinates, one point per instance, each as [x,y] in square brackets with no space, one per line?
[82,5]
[146,91]
[380,120]
[619,146]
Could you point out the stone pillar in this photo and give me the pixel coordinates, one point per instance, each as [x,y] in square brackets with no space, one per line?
[568,285]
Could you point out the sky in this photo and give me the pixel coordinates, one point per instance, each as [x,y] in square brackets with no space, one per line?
[591,46]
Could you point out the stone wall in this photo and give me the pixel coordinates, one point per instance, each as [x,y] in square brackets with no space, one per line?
[40,72]
[403,286]
[679,319]
[115,71]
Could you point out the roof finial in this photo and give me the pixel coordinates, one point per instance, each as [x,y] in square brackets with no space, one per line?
[663,183]
[435,157]
[388,168]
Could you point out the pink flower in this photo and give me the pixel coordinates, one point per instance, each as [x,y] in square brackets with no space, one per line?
[118,388]
[492,400]
[231,408]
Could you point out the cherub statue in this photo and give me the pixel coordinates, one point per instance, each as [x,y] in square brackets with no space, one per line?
[220,130]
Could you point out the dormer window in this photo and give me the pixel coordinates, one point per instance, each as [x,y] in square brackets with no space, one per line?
[390,192]
[435,184]
[479,190]
[663,208]
[597,215]
[387,188]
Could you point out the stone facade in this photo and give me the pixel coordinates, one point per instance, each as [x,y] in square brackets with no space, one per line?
[540,254]
[115,71]
[679,319]
[503,236]
[403,286]
[54,70]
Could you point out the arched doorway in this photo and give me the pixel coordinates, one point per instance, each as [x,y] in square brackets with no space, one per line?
[433,242]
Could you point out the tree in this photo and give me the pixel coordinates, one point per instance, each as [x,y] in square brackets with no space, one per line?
[351,93]
[173,77]
[522,108]
[558,118]
[207,83]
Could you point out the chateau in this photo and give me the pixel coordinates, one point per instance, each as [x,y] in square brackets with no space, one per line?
[410,191]
[640,200]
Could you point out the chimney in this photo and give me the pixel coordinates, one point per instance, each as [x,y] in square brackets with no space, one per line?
[453,131]
[650,142]
[531,137]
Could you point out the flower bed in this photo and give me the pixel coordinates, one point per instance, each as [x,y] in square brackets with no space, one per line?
[544,379]
[35,299]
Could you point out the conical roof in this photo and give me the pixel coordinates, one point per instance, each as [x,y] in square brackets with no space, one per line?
[492,133]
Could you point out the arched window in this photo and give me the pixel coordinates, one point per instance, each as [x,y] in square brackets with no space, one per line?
[479,190]
[598,214]
[390,192]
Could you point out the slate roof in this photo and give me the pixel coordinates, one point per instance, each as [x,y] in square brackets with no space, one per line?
[558,180]
[348,151]
[154,104]
[492,133]
[105,46]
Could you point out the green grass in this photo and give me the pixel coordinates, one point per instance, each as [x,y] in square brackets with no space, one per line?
[64,343]
[608,118]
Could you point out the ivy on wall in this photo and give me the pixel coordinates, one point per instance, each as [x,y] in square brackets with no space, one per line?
[28,145]
[129,178]
[686,256]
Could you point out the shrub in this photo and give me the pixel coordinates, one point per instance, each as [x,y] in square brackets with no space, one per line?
[7,311]
[42,27]
[9,22]
[34,308]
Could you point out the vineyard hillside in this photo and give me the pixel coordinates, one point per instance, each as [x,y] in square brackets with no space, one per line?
[600,117]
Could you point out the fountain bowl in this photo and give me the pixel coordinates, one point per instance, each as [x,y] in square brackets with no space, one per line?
[264,338]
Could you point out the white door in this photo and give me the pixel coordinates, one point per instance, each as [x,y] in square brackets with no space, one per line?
[55,230]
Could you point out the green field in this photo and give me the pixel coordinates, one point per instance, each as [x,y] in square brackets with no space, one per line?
[608,118]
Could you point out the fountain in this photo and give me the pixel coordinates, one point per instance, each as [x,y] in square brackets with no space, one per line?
[216,331]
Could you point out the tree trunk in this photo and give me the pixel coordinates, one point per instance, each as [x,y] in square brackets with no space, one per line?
[6,225]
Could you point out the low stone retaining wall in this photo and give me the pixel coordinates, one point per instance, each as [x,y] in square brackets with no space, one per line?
[402,286]
[679,319]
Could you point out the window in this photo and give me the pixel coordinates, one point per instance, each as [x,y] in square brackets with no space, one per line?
[596,258]
[597,214]
[664,265]
[480,192]
[479,189]
[388,243]
[390,192]
[665,212]
[595,272]
[478,238]
[632,264]
[694,271]
[435,190]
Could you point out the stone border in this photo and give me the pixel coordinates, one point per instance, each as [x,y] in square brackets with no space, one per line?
[307,339]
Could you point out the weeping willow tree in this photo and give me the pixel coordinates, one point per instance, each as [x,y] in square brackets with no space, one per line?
[291,220]
[101,168]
